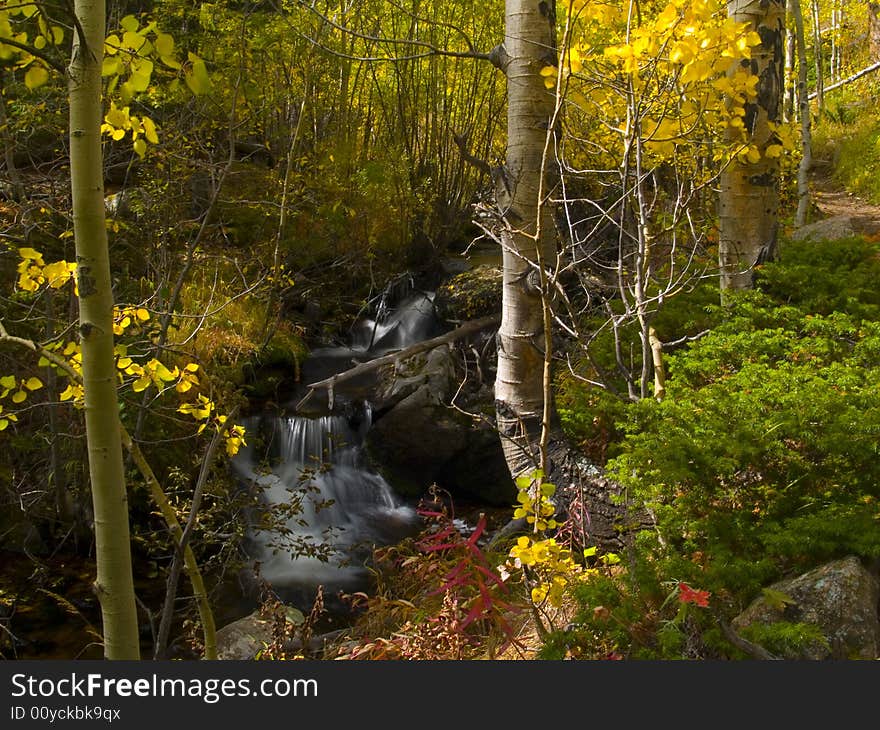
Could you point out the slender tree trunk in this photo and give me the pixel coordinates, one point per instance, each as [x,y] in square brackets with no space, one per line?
[114,583]
[15,181]
[817,55]
[874,31]
[804,107]
[790,83]
[529,46]
[749,194]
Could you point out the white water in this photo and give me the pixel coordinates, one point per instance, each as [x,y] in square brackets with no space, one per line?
[325,497]
[313,480]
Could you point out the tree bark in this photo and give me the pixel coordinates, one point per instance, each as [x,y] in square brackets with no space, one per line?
[529,44]
[818,55]
[749,195]
[114,584]
[803,184]
[874,31]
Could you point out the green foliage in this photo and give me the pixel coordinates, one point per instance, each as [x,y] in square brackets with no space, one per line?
[787,640]
[847,137]
[760,461]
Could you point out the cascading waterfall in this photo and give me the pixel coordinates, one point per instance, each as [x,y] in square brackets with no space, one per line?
[322,509]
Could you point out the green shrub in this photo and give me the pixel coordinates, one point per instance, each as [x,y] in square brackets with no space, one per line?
[761,461]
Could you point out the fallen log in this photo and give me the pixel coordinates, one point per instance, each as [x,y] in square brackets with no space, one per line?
[465,330]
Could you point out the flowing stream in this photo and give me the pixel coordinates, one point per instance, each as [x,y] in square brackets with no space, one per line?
[322,507]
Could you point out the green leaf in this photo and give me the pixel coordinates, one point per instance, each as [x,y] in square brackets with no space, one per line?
[111,65]
[129,23]
[198,80]
[139,81]
[164,44]
[777,599]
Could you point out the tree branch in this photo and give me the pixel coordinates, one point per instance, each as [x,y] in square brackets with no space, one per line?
[468,328]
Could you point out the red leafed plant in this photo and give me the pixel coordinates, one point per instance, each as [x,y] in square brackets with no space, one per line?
[437,596]
[686,594]
[471,580]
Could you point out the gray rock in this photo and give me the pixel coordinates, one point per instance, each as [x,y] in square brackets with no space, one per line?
[244,638]
[419,440]
[827,229]
[841,598]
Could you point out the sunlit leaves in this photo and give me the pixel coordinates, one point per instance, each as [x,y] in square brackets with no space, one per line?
[36,76]
[119,122]
[669,84]
[17,391]
[197,78]
[33,272]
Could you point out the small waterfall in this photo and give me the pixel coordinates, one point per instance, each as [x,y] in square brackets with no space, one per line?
[322,510]
[413,320]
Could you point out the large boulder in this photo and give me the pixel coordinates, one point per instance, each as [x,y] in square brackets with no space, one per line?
[827,229]
[840,598]
[245,638]
[419,439]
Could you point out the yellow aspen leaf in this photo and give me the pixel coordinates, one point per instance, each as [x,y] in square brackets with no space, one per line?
[140,147]
[33,384]
[164,44]
[142,314]
[40,42]
[36,76]
[117,134]
[111,65]
[7,382]
[162,372]
[32,254]
[141,384]
[753,155]
[667,17]
[19,396]
[123,362]
[152,138]
[774,150]
[197,79]
[3,424]
[192,367]
[57,35]
[57,274]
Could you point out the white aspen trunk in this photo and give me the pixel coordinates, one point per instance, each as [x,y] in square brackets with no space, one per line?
[806,162]
[788,106]
[817,55]
[749,195]
[529,46]
[114,583]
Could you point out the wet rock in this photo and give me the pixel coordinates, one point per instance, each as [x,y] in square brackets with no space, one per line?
[840,598]
[419,439]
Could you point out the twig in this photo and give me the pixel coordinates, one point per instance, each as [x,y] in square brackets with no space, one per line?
[754,650]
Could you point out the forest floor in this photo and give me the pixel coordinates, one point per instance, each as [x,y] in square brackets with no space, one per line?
[831,199]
